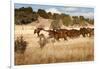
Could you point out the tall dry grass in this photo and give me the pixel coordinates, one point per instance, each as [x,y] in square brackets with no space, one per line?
[78,49]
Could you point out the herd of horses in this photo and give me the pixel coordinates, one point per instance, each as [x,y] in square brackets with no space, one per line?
[64,33]
[56,34]
[45,35]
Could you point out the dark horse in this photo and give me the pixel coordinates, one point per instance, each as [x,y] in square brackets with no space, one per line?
[87,31]
[73,33]
[60,33]
[37,31]
[56,34]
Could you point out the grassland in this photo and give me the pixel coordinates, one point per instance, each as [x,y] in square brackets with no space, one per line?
[78,49]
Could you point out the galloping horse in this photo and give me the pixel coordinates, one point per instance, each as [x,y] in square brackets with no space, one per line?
[60,33]
[37,31]
[73,33]
[56,34]
[87,31]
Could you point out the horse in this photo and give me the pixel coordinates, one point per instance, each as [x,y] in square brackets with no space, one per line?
[73,33]
[37,30]
[91,31]
[60,33]
[56,34]
[87,31]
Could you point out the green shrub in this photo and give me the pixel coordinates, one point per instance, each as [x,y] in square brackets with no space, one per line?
[42,13]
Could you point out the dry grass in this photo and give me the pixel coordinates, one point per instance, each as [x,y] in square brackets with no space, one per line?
[79,49]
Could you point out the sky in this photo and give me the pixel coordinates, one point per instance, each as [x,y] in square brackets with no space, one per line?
[71,10]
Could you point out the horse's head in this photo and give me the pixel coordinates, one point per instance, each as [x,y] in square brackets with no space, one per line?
[37,30]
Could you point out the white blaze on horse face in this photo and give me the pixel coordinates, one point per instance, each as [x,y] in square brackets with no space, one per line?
[45,33]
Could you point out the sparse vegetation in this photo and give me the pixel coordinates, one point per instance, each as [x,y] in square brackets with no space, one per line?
[42,41]
[20,45]
[80,49]
[28,15]
[66,19]
[55,24]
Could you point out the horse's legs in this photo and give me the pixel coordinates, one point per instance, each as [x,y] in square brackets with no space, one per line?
[38,34]
[56,38]
[65,38]
[83,34]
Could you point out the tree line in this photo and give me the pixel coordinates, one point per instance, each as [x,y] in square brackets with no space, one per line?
[28,15]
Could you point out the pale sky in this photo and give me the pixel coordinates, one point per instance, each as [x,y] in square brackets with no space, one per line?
[71,10]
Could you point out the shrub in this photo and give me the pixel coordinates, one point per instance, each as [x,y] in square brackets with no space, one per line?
[55,24]
[42,13]
[25,15]
[20,45]
[49,15]
[66,19]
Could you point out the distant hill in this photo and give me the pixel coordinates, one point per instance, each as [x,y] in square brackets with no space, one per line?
[28,15]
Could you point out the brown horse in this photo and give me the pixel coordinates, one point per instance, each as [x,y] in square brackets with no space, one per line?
[87,31]
[56,34]
[37,31]
[73,33]
[60,33]
[91,31]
